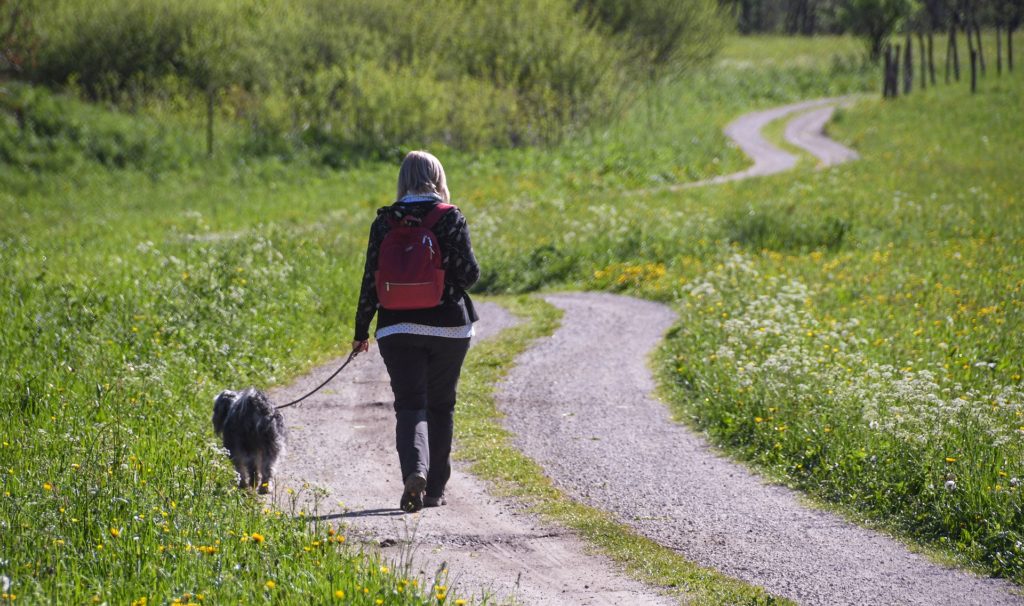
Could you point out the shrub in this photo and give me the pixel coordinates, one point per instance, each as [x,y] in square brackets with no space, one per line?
[350,79]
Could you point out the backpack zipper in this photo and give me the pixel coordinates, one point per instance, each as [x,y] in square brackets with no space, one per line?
[387,285]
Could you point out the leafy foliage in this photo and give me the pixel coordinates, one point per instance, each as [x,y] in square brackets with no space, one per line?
[352,79]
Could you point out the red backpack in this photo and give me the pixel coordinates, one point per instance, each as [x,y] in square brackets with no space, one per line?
[409,272]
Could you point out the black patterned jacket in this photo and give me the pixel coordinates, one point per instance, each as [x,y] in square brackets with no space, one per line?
[461,272]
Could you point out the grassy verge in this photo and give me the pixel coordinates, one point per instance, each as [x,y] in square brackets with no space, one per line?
[483,441]
[879,373]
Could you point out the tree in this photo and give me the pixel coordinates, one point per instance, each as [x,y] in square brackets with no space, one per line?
[17,39]
[659,34]
[213,59]
[875,20]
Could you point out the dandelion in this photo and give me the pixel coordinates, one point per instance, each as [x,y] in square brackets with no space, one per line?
[47,486]
[951,459]
[384,569]
[257,537]
[115,532]
[339,594]
[270,585]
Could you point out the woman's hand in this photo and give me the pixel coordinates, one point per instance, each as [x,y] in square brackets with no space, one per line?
[361,346]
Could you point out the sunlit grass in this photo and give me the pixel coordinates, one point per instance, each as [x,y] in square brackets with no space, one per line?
[132,296]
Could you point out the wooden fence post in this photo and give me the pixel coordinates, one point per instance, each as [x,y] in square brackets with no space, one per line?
[895,80]
[981,51]
[1009,49]
[931,56]
[886,58]
[956,52]
[999,49]
[924,61]
[908,65]
[974,71]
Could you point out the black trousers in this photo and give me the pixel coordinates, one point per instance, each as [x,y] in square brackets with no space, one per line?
[424,375]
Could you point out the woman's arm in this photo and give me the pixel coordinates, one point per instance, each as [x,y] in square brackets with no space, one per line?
[367,305]
[461,267]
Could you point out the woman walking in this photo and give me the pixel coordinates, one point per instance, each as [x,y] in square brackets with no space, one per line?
[423,329]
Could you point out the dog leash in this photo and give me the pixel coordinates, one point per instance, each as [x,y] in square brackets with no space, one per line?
[351,357]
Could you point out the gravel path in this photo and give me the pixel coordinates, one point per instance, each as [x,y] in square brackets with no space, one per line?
[341,443]
[805,131]
[580,405]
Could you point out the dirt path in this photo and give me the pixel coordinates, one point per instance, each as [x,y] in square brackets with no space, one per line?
[577,403]
[805,131]
[342,442]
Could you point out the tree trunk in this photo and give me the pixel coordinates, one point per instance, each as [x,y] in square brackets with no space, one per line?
[931,56]
[1009,48]
[885,73]
[894,80]
[908,65]
[981,51]
[999,49]
[924,61]
[974,71]
[970,41]
[209,122]
[949,57]
[956,53]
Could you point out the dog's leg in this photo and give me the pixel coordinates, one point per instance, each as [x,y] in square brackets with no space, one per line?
[254,474]
[240,469]
[266,473]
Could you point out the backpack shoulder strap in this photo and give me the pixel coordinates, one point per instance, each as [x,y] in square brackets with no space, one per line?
[435,214]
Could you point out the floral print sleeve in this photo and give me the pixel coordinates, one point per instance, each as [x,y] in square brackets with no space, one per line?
[367,305]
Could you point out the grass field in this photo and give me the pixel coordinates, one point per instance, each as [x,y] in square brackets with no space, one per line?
[132,295]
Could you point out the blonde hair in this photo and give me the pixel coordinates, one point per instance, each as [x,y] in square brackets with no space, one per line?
[422,173]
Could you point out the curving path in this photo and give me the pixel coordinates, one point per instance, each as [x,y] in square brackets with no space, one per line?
[805,131]
[580,404]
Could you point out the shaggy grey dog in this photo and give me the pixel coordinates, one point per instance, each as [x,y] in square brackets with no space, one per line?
[253,433]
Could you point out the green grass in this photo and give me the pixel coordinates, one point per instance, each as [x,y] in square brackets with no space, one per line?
[763,51]
[488,446]
[132,295]
[903,264]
